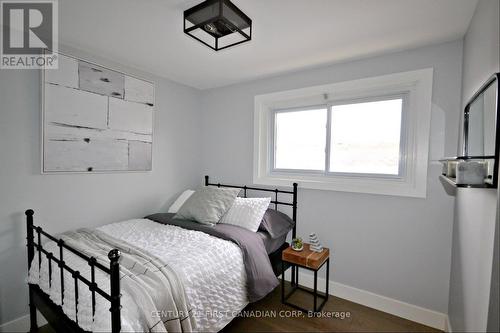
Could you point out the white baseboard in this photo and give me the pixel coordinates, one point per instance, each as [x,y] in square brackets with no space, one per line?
[22,324]
[448,325]
[401,309]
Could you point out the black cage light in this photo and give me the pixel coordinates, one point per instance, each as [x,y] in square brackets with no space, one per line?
[218,24]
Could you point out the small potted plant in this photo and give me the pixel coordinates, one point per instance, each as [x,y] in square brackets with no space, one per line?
[297,244]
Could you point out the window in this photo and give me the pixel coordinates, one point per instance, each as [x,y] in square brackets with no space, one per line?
[369,135]
[360,137]
[365,137]
[300,139]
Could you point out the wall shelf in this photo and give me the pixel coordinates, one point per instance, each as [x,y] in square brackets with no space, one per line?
[452,182]
[466,158]
[450,166]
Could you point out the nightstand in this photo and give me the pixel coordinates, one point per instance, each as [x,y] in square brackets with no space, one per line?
[309,260]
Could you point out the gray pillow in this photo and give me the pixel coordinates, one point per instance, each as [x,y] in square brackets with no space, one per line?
[276,223]
[208,204]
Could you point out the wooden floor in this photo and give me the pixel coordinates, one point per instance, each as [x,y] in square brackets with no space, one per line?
[362,318]
[276,317]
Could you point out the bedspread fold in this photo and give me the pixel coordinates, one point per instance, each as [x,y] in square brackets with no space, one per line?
[154,286]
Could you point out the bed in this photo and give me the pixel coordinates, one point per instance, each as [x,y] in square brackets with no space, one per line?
[101,287]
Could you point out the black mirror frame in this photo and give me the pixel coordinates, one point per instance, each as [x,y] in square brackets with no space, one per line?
[494,78]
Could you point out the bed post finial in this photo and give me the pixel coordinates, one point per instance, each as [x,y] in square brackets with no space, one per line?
[114,255]
[114,266]
[29,235]
[206,180]
[31,254]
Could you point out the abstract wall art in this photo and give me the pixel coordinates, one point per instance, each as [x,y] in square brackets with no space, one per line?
[95,119]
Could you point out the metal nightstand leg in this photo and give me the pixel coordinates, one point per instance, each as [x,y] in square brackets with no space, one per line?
[315,295]
[327,276]
[296,276]
[282,282]
[314,292]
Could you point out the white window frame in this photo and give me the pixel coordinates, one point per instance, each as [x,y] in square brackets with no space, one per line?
[328,107]
[415,87]
[272,142]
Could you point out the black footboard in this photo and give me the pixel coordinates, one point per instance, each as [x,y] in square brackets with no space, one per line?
[41,301]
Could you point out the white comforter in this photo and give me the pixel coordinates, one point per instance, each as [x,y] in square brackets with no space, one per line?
[211,269]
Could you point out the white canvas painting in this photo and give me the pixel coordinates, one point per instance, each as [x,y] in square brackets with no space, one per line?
[95,119]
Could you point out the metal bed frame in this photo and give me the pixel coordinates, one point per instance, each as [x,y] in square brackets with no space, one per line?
[54,314]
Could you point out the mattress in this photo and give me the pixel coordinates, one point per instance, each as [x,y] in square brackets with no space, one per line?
[271,244]
[211,269]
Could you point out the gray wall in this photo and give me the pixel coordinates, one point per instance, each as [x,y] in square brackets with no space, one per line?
[63,202]
[494,310]
[393,246]
[474,225]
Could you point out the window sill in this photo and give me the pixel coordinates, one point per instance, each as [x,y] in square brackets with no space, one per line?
[361,184]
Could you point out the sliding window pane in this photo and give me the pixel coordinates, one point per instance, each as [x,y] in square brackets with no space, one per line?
[300,138]
[365,137]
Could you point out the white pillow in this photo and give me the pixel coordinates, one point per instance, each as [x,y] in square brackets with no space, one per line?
[247,212]
[180,201]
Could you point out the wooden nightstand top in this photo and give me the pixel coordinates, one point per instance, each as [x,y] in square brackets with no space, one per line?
[306,257]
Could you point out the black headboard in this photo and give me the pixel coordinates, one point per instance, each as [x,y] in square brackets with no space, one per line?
[274,201]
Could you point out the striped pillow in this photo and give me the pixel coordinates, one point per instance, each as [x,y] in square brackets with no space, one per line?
[247,212]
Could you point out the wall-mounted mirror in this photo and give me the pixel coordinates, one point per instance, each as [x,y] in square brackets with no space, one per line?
[480,121]
[478,166]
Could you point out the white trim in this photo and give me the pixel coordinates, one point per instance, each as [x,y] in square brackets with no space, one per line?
[448,325]
[392,306]
[22,324]
[418,85]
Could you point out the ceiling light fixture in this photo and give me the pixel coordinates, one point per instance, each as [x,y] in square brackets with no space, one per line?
[218,24]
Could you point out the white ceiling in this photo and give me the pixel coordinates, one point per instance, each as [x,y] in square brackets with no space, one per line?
[288,35]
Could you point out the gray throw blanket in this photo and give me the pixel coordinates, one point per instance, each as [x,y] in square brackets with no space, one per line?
[260,276]
[151,283]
